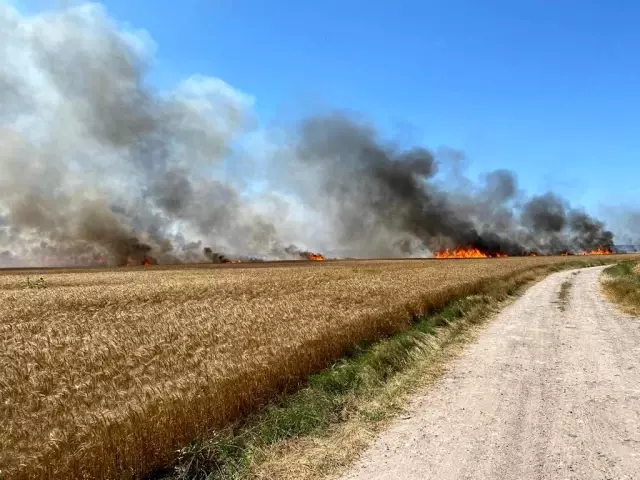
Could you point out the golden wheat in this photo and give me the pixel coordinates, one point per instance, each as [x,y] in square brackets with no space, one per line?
[105,373]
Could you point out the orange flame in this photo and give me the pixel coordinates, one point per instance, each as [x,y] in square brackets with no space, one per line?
[316,257]
[131,262]
[461,253]
[599,251]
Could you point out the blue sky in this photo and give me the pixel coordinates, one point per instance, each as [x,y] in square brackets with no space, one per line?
[548,88]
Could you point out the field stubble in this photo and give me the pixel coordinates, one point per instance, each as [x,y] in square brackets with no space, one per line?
[106,373]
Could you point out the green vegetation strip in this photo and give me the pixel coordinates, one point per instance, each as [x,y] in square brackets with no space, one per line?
[622,285]
[330,395]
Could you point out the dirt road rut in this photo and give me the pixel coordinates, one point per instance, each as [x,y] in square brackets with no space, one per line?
[550,391]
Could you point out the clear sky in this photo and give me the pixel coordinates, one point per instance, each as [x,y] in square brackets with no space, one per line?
[548,88]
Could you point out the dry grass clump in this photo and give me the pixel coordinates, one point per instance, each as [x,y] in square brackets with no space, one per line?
[622,285]
[105,373]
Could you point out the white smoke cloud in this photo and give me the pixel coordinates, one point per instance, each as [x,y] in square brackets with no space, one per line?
[84,139]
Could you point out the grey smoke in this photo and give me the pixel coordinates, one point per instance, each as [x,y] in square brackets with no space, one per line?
[545,214]
[626,222]
[588,232]
[632,225]
[379,185]
[95,163]
[93,160]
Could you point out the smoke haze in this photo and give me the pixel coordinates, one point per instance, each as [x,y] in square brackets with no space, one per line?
[96,164]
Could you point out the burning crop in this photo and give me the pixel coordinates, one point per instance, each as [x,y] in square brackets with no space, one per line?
[134,262]
[461,253]
[316,257]
[598,251]
[469,252]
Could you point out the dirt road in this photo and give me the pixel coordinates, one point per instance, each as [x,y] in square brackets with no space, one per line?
[550,391]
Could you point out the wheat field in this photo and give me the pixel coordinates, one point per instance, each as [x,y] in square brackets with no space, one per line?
[104,373]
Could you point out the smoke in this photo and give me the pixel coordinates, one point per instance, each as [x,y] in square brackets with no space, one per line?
[626,224]
[633,226]
[94,162]
[370,187]
[97,165]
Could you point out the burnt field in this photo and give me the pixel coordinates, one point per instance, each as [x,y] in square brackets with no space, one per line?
[105,372]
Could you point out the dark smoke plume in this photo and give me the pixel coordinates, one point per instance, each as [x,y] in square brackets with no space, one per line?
[98,167]
[378,186]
